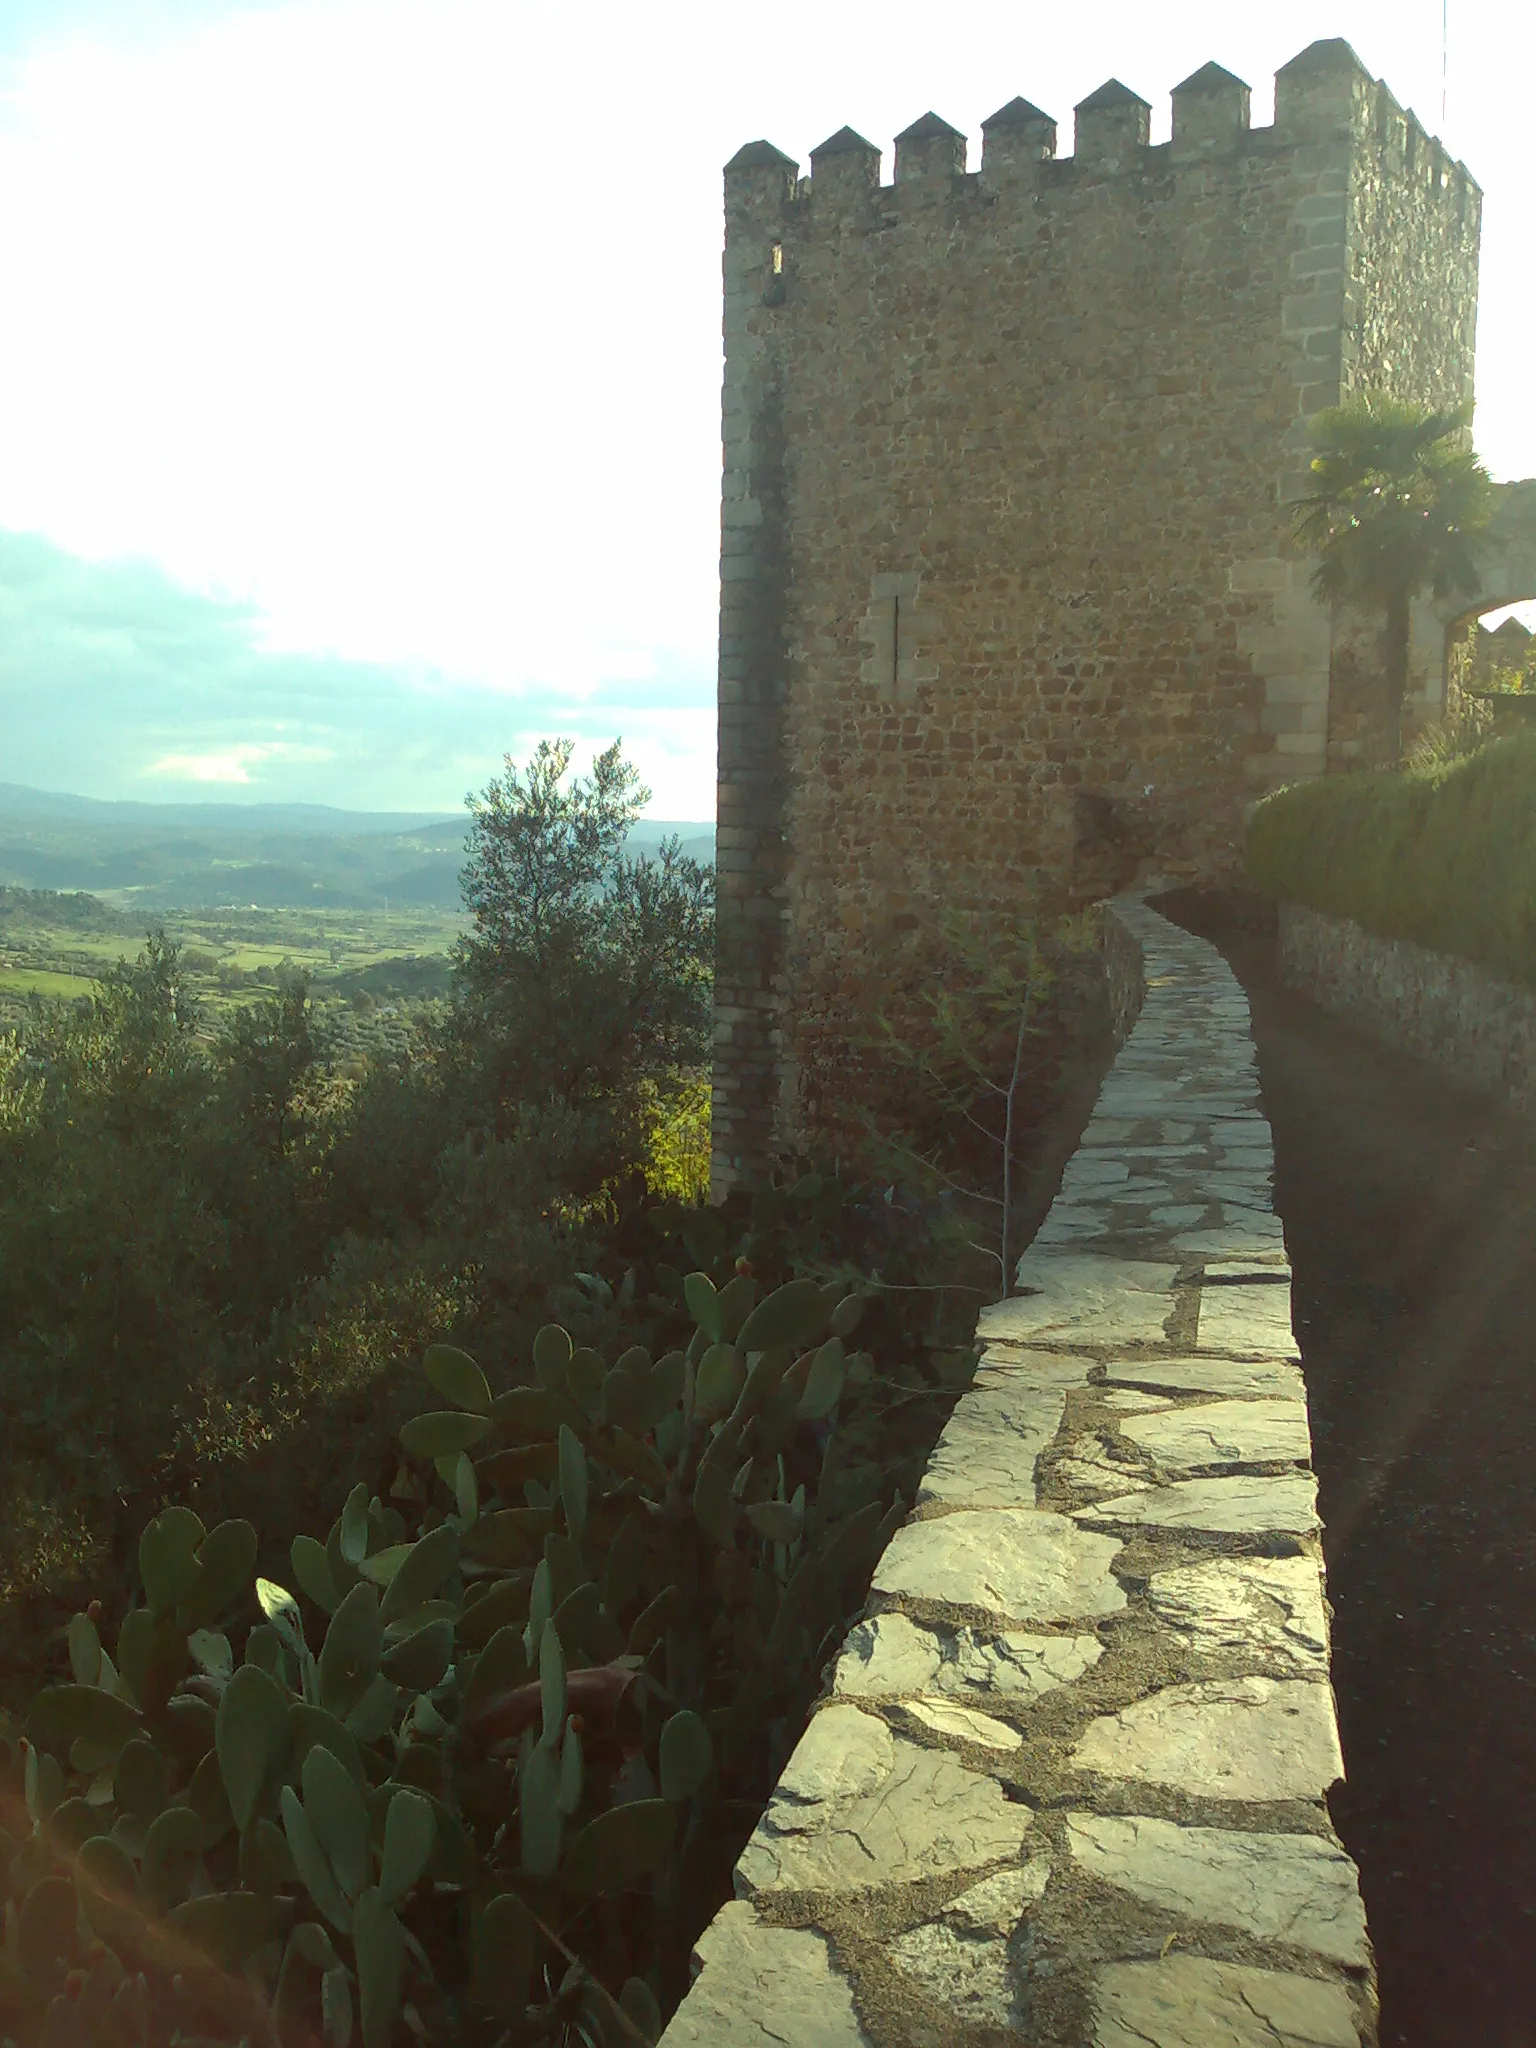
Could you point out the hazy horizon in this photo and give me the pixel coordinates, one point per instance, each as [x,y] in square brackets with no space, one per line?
[360,380]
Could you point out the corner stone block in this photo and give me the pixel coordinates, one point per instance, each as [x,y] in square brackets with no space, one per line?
[764,1987]
[1322,92]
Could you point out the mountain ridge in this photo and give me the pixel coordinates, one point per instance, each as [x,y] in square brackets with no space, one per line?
[192,855]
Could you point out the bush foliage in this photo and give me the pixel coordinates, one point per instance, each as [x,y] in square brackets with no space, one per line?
[219,1248]
[1440,853]
[470,1757]
[470,1764]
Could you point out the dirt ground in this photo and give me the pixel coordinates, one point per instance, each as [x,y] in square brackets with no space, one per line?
[1410,1213]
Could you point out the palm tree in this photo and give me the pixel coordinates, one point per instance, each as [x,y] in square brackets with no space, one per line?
[1400,495]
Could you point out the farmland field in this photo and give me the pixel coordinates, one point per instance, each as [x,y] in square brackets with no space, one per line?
[369,970]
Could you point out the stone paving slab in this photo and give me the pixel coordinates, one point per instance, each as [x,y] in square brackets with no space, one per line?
[1020,1564]
[1263,1378]
[991,1442]
[1193,1439]
[1270,1607]
[892,1657]
[1084,1300]
[1005,1803]
[1297,1889]
[1250,1504]
[859,1806]
[1234,1738]
[1186,2002]
[764,1987]
[1252,1321]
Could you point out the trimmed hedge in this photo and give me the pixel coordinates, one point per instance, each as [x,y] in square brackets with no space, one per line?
[1443,855]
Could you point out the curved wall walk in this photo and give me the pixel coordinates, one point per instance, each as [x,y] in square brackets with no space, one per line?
[1069,1782]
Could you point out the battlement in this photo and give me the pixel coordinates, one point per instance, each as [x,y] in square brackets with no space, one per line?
[1323,97]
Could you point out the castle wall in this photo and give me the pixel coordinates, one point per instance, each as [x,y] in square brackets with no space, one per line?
[1410,238]
[1006,603]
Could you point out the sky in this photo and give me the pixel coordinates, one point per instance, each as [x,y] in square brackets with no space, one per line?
[360,359]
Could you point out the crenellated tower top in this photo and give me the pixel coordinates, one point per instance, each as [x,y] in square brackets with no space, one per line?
[1323,95]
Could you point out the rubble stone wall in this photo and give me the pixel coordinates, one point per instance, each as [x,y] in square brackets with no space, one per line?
[1067,1784]
[1007,602]
[1477,1028]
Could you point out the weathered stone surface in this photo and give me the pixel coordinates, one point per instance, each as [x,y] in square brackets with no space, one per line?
[1019,1563]
[1191,1439]
[1072,1223]
[1295,1888]
[1272,1377]
[1253,1320]
[962,1960]
[1097,1468]
[1247,1505]
[986,1455]
[1006,1363]
[764,1987]
[1135,1402]
[1269,1605]
[1178,1215]
[859,1806]
[1077,1298]
[947,1717]
[890,1655]
[1188,2002]
[1234,1738]
[1255,1234]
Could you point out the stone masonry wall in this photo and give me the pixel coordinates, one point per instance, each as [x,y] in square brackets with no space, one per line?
[1068,1784]
[1006,600]
[1478,1029]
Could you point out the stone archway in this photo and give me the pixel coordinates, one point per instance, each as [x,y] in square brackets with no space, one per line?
[1507,559]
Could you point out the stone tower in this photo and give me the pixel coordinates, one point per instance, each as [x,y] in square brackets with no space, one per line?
[1006,606]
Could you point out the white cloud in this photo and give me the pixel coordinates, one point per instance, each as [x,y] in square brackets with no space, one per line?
[233,764]
[399,319]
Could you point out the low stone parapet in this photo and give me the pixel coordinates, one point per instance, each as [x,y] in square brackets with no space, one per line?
[1068,1785]
[1476,1028]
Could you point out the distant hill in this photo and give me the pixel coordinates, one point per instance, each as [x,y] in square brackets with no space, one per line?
[23,910]
[198,855]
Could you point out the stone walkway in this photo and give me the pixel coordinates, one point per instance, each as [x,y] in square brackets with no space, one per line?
[1068,1788]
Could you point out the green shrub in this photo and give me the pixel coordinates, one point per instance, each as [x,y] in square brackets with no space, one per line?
[451,1776]
[1441,853]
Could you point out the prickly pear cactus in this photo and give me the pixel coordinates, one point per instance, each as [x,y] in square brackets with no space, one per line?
[385,1801]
